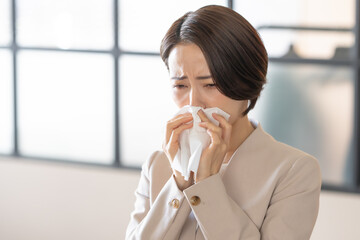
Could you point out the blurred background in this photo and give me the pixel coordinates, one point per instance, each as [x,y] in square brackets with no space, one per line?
[84,98]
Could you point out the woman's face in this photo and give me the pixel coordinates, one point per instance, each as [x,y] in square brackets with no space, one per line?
[193,85]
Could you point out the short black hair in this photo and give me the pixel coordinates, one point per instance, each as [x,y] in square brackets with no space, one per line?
[232,47]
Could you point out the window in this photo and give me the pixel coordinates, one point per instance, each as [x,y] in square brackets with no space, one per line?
[6,103]
[82,81]
[312,81]
[66,105]
[5,23]
[65,24]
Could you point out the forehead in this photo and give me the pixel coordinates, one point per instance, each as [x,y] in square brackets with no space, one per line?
[187,57]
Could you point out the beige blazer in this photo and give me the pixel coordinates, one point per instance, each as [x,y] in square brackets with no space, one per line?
[269,190]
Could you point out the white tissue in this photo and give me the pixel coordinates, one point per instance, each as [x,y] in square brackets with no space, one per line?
[193,141]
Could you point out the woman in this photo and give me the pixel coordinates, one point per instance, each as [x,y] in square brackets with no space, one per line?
[248,185]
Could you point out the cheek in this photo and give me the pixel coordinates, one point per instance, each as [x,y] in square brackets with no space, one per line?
[216,99]
[238,107]
[232,107]
[180,98]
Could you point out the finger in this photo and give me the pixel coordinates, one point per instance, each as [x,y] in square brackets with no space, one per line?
[175,123]
[225,125]
[212,127]
[170,130]
[179,119]
[216,140]
[180,116]
[173,143]
[203,116]
[177,131]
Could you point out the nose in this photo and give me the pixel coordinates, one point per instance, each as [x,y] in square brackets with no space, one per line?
[195,98]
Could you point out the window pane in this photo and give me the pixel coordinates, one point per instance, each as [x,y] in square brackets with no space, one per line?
[66,106]
[308,44]
[145,106]
[5,26]
[6,103]
[142,28]
[311,108]
[314,44]
[66,23]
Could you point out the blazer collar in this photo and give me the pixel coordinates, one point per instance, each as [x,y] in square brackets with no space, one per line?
[255,142]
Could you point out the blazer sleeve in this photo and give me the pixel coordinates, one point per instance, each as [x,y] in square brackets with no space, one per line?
[294,207]
[162,219]
[217,214]
[291,214]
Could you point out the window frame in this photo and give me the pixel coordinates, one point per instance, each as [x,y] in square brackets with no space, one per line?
[116,53]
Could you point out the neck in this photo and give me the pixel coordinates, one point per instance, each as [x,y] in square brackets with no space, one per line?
[241,129]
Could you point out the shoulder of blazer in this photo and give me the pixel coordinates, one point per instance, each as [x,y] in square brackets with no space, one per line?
[263,152]
[269,146]
[291,158]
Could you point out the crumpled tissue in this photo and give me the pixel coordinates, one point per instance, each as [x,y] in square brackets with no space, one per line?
[194,140]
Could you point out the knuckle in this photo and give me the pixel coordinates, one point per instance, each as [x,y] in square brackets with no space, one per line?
[181,128]
[206,124]
[216,142]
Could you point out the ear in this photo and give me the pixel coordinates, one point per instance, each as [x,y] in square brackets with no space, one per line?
[244,105]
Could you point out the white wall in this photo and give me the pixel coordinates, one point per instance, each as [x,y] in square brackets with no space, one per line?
[339,217]
[49,200]
[53,201]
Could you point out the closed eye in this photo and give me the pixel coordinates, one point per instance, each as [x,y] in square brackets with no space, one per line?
[179,86]
[211,85]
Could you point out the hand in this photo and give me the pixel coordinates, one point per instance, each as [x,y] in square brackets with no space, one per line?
[174,128]
[213,156]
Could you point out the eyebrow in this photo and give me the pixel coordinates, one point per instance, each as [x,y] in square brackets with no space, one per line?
[185,77]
